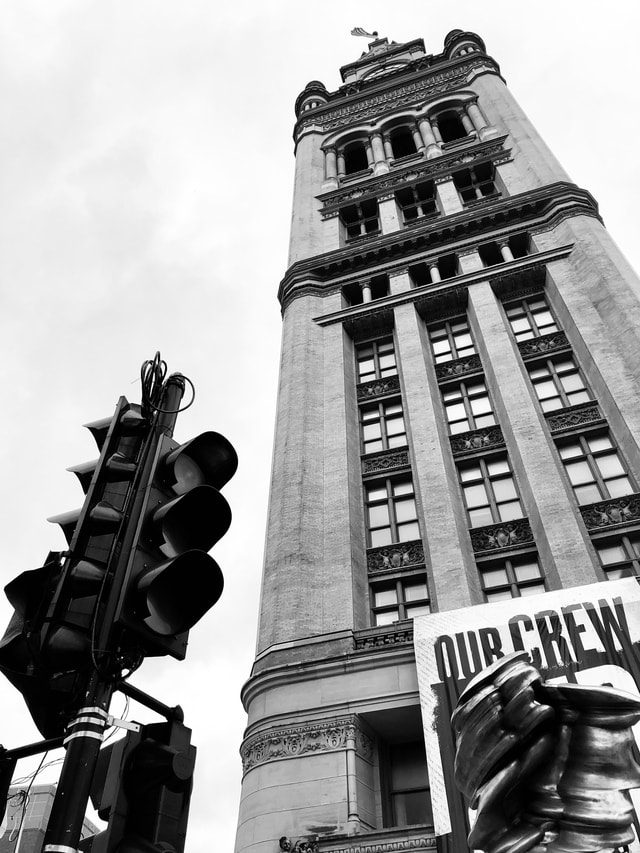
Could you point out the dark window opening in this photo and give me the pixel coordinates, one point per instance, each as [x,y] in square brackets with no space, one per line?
[450,126]
[361,219]
[407,798]
[520,245]
[402,143]
[355,158]
[476,183]
[417,201]
[448,266]
[354,293]
[490,254]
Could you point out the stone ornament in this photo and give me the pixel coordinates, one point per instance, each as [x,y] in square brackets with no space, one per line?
[548,768]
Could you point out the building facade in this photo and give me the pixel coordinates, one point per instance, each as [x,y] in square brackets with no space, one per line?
[26,818]
[457,423]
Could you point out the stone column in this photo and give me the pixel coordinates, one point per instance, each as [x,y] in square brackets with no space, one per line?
[369,152]
[380,163]
[417,139]
[388,150]
[466,122]
[452,576]
[365,286]
[330,164]
[434,272]
[483,128]
[341,165]
[547,499]
[505,250]
[353,818]
[426,131]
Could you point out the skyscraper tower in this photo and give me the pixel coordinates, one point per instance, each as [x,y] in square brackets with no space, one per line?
[458,423]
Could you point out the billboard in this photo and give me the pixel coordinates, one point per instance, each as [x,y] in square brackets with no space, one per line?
[587,635]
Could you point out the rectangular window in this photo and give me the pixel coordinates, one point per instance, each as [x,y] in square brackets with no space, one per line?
[391,512]
[376,360]
[511,578]
[382,427]
[402,598]
[360,219]
[476,183]
[467,406]
[530,318]
[408,801]
[620,557]
[451,340]
[417,201]
[489,491]
[558,383]
[594,468]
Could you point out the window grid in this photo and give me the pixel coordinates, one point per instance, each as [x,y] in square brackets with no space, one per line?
[361,219]
[489,491]
[376,360]
[530,318]
[417,201]
[476,183]
[558,383]
[400,598]
[467,406]
[382,426]
[620,557]
[408,793]
[451,340]
[391,512]
[594,468]
[511,578]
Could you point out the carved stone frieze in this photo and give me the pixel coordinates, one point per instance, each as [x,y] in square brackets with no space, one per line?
[415,92]
[612,512]
[507,534]
[437,169]
[419,841]
[294,741]
[378,387]
[540,346]
[477,439]
[374,463]
[575,416]
[399,556]
[383,638]
[458,367]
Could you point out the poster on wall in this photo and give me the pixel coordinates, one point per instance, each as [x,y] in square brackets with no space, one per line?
[586,635]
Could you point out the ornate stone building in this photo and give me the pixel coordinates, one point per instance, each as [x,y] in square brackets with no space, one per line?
[458,415]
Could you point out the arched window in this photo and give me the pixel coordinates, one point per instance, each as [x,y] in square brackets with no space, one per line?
[355,158]
[450,126]
[402,142]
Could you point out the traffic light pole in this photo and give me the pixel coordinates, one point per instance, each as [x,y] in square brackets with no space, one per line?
[85,732]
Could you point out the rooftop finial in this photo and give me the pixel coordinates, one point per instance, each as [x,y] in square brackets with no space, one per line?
[358,31]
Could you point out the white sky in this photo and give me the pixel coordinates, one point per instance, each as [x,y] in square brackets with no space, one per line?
[146,169]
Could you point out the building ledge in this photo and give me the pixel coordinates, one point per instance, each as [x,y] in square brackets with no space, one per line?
[391,840]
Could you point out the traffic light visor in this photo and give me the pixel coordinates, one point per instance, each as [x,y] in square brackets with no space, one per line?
[207,459]
[176,594]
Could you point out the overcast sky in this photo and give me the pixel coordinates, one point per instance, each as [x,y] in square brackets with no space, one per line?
[146,169]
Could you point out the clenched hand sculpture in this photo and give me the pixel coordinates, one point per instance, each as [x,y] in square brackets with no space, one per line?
[547,767]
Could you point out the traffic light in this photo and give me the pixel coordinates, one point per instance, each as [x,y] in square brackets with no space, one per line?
[49,644]
[169,581]
[142,788]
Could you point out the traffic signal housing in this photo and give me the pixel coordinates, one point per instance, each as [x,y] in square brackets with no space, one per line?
[142,788]
[169,580]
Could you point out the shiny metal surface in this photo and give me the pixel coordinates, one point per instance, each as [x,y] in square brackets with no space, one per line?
[547,767]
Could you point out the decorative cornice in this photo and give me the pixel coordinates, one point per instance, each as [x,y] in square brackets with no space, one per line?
[293,741]
[378,387]
[387,637]
[388,460]
[440,167]
[422,839]
[535,347]
[402,556]
[456,285]
[612,513]
[498,219]
[430,85]
[486,438]
[498,537]
[584,414]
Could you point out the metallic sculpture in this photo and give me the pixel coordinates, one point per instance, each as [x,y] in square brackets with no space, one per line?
[548,768]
